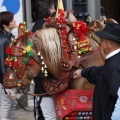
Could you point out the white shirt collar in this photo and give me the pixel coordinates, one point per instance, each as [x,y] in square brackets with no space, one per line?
[113,53]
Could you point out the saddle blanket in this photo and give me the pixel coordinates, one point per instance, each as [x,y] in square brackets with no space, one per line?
[73,100]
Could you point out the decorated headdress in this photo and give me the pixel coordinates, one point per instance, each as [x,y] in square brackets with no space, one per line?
[81,30]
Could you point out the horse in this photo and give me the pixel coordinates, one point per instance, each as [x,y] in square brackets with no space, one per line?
[44,55]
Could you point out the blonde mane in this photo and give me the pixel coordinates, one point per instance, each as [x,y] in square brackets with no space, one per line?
[51,44]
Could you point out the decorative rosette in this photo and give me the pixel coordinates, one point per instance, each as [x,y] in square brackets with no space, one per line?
[28,50]
[84,47]
[81,30]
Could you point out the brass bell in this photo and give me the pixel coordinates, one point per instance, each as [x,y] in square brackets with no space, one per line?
[46,72]
[43,63]
[32,82]
[75,47]
[41,57]
[42,69]
[45,75]
[45,66]
[38,54]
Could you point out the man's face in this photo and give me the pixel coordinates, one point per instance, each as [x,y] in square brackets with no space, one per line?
[105,45]
[52,9]
[12,24]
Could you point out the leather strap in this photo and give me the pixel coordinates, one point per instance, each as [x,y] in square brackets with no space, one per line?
[89,55]
[38,103]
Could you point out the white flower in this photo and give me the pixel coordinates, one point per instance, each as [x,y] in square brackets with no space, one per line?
[83,99]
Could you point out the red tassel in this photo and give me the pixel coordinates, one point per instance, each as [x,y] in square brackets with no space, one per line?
[8,50]
[7,62]
[29,33]
[20,24]
[22,35]
[22,83]
[31,61]
[15,64]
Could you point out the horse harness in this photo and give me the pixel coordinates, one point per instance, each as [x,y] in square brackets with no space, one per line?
[69,63]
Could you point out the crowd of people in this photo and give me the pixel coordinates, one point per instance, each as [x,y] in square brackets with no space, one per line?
[106,78]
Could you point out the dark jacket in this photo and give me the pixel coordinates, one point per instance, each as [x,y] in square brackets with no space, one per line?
[5,39]
[38,25]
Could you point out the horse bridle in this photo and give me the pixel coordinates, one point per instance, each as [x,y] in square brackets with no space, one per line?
[19,50]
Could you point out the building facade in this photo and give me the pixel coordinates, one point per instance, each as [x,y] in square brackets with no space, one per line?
[94,8]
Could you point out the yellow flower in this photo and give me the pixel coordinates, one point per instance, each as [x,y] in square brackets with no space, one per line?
[28,49]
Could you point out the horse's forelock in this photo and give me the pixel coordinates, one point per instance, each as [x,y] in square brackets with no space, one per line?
[51,44]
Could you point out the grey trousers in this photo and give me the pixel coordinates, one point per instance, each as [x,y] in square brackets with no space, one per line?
[47,107]
[8,106]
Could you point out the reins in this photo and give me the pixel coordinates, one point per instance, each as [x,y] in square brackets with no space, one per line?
[38,103]
[89,55]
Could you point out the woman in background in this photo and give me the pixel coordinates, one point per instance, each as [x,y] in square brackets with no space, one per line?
[46,109]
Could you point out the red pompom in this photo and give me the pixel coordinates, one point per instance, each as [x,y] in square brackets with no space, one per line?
[29,33]
[15,63]
[22,35]
[8,50]
[31,61]
[20,24]
[7,62]
[48,19]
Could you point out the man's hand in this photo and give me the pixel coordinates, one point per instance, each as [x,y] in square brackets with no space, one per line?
[77,73]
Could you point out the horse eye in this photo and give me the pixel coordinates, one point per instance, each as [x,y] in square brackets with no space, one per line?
[99,44]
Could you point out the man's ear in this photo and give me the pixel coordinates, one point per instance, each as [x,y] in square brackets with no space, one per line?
[4,26]
[110,44]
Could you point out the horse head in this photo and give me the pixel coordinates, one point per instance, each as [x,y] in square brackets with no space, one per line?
[22,56]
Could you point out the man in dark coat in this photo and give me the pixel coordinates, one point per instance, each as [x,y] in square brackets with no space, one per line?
[106,77]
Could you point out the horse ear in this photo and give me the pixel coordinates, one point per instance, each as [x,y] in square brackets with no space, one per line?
[21,28]
[20,31]
[72,18]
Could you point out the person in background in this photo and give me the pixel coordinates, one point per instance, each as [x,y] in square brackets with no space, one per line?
[45,9]
[7,24]
[46,109]
[106,98]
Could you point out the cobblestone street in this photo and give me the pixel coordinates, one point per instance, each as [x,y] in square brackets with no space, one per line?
[24,115]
